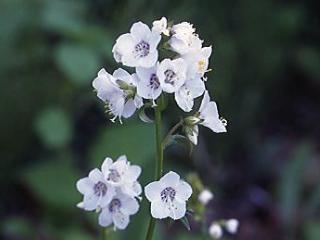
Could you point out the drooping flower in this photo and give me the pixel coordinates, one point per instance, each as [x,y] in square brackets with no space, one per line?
[160,26]
[118,211]
[137,48]
[172,74]
[215,231]
[149,85]
[123,175]
[186,94]
[198,61]
[118,91]
[184,39]
[205,196]
[232,225]
[207,116]
[168,196]
[97,192]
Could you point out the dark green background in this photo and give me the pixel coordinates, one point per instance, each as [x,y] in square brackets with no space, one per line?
[265,78]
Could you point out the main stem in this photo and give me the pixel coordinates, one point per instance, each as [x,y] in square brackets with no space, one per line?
[159,164]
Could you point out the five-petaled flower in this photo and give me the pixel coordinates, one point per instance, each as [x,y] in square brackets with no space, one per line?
[137,48]
[168,196]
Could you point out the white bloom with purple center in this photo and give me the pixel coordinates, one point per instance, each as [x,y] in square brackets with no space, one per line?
[160,26]
[172,74]
[168,196]
[123,175]
[149,85]
[119,92]
[137,48]
[97,192]
[118,211]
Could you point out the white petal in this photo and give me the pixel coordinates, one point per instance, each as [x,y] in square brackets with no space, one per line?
[149,60]
[184,99]
[96,175]
[184,191]
[152,191]
[130,206]
[159,210]
[120,220]
[134,172]
[122,159]
[206,51]
[106,199]
[85,186]
[140,31]
[196,87]
[132,189]
[90,202]
[146,91]
[210,111]
[129,108]
[205,101]
[121,74]
[215,125]
[170,179]
[154,40]
[177,209]
[138,101]
[106,165]
[105,218]
[125,44]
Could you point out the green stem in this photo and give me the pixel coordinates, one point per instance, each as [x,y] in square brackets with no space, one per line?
[171,132]
[159,164]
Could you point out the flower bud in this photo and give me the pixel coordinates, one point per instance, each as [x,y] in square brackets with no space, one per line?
[191,120]
[232,225]
[215,231]
[205,196]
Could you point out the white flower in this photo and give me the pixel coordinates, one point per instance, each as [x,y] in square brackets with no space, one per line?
[232,225]
[137,48]
[205,196]
[118,211]
[160,26]
[198,61]
[123,175]
[119,92]
[97,193]
[168,196]
[215,231]
[207,116]
[148,86]
[172,74]
[186,94]
[184,39]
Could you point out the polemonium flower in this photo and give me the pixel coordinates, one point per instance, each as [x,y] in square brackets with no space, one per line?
[198,61]
[186,94]
[232,225]
[184,39]
[207,116]
[161,26]
[123,175]
[118,91]
[97,193]
[168,196]
[172,74]
[118,211]
[149,85]
[205,196]
[137,48]
[215,231]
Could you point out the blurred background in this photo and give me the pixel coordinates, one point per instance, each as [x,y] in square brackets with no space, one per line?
[266,79]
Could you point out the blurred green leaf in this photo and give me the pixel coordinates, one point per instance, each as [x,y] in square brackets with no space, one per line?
[54,127]
[17,226]
[309,60]
[53,182]
[312,230]
[291,182]
[78,62]
[134,139]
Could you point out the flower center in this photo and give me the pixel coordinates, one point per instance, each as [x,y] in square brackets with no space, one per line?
[154,81]
[114,175]
[142,49]
[201,65]
[168,194]
[170,76]
[100,189]
[114,205]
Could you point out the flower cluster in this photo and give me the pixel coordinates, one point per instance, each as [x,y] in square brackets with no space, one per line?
[183,75]
[112,191]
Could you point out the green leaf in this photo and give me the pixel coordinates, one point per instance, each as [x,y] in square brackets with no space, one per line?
[78,62]
[54,127]
[312,230]
[134,139]
[53,182]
